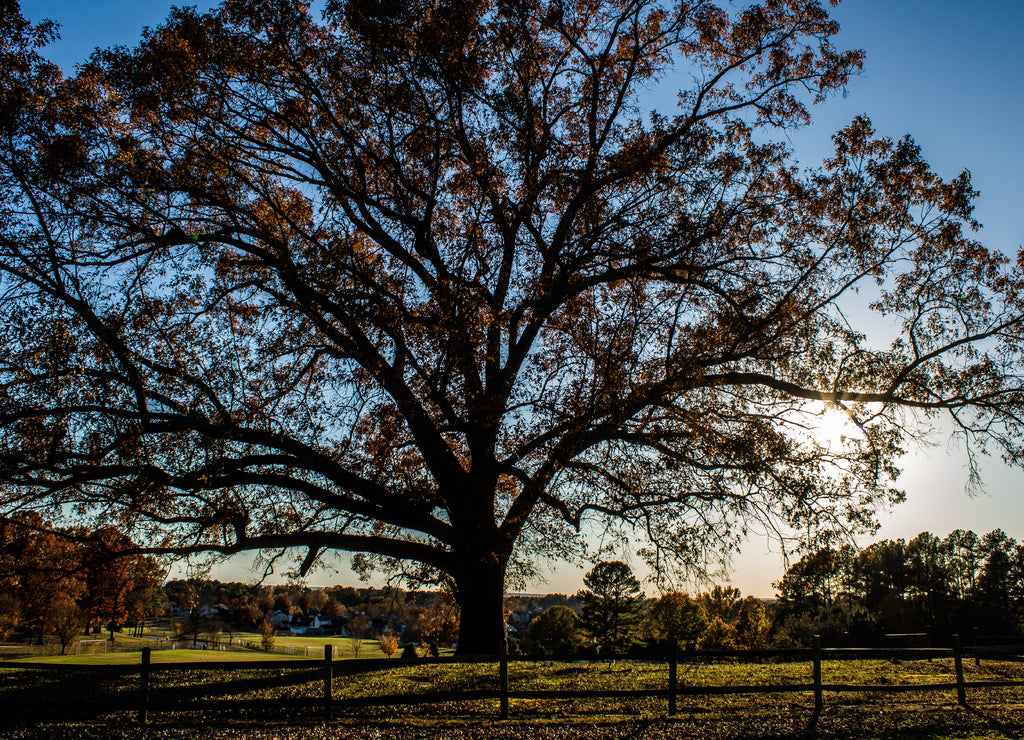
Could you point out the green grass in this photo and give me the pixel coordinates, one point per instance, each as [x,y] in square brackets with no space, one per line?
[128,647]
[344,647]
[191,700]
[157,656]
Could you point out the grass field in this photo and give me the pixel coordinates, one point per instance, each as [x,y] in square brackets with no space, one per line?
[344,647]
[126,649]
[63,703]
[157,656]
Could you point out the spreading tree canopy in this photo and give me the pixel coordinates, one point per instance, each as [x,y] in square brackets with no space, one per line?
[434,283]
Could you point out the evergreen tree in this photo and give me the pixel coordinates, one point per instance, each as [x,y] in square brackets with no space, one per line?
[612,605]
[991,592]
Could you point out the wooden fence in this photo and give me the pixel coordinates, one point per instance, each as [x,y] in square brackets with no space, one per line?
[325,671]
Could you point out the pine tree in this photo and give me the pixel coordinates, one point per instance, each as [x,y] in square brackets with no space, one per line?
[612,606]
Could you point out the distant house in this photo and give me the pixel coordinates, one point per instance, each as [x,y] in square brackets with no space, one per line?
[318,624]
[311,625]
[280,620]
[519,621]
[335,625]
[206,611]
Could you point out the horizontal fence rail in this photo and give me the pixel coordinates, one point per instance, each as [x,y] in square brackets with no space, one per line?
[327,670]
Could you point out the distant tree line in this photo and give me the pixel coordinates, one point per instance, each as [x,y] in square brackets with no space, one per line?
[966,584]
[892,592]
[66,582]
[928,588]
[612,616]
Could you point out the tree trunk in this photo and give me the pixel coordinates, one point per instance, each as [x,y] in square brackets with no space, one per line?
[480,592]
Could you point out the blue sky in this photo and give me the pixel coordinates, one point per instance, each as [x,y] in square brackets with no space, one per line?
[946,72]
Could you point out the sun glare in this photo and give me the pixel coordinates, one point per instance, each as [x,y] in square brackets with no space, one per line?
[834,428]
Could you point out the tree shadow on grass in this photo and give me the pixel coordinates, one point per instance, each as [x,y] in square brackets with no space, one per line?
[895,723]
[31,697]
[231,686]
[994,723]
[812,723]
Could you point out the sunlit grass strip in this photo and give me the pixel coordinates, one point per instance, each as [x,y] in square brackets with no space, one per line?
[182,659]
[586,693]
[897,687]
[776,688]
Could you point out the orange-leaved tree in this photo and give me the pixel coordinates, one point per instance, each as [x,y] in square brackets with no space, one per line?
[388,645]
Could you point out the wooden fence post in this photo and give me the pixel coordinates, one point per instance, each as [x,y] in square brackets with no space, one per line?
[328,680]
[958,662]
[819,701]
[672,679]
[503,678]
[144,687]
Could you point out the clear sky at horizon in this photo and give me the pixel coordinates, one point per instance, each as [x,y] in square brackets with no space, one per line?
[947,73]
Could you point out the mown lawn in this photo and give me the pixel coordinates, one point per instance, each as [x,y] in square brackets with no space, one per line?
[63,703]
[157,657]
[344,647]
[313,646]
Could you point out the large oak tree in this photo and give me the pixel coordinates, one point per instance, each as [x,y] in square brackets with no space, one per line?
[430,282]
